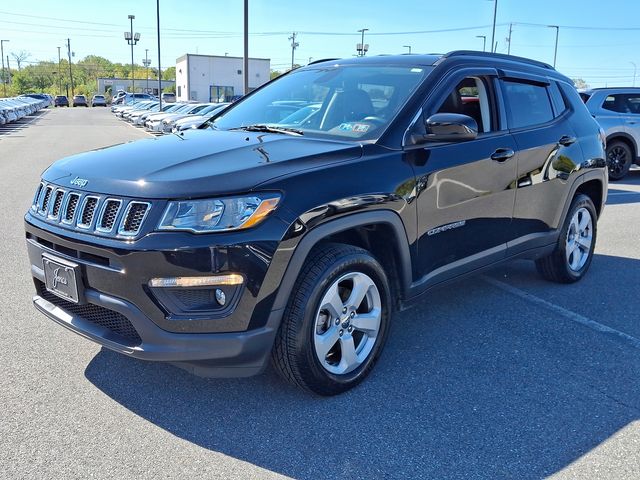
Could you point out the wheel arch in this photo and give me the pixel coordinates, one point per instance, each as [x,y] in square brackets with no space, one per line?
[359,229]
[626,138]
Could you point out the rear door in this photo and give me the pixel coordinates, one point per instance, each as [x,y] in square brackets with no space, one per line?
[549,154]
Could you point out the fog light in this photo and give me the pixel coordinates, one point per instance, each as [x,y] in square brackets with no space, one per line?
[221,298]
[213,280]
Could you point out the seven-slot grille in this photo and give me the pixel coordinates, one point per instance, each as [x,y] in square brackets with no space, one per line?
[88,212]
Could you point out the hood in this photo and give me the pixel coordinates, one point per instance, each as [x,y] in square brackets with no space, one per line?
[198,163]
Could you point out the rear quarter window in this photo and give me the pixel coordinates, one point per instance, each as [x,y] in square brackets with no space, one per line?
[528,104]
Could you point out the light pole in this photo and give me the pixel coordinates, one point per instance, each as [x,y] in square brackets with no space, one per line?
[555,51]
[294,45]
[59,74]
[146,62]
[362,48]
[408,46]
[159,70]
[132,39]
[634,73]
[493,32]
[4,78]
[484,42]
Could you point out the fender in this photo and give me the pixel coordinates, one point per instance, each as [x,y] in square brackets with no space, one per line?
[317,234]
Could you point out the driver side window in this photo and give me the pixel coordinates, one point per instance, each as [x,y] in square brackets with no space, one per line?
[470,97]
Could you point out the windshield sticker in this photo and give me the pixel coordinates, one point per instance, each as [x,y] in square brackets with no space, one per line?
[346,127]
[361,127]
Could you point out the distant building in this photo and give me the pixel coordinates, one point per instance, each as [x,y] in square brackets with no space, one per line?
[106,85]
[211,78]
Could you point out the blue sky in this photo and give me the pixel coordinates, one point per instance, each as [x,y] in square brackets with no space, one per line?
[598,41]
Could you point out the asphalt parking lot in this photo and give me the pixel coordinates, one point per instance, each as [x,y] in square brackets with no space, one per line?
[499,376]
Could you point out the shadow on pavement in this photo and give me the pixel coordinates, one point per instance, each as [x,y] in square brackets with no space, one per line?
[474,383]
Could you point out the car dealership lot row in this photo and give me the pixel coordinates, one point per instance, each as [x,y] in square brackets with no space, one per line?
[508,376]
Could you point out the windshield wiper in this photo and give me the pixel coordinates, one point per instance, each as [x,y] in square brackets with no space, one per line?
[260,127]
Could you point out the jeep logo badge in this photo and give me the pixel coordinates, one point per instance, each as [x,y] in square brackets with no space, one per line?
[79,182]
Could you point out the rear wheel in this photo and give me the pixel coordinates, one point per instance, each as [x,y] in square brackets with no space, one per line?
[619,159]
[572,256]
[336,322]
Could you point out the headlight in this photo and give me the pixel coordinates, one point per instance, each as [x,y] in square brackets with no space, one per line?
[219,214]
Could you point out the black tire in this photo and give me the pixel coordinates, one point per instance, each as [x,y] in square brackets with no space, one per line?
[293,354]
[556,267]
[619,159]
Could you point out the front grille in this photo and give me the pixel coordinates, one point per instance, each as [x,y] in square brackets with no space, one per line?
[72,204]
[57,203]
[89,208]
[113,321]
[134,217]
[89,212]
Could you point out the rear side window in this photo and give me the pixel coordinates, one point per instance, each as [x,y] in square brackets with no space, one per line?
[559,105]
[622,103]
[528,104]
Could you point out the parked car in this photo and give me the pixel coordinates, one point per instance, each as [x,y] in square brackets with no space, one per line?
[617,110]
[98,101]
[224,247]
[196,121]
[166,108]
[169,120]
[80,101]
[61,101]
[168,97]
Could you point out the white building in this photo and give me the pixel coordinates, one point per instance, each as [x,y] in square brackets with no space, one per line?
[112,85]
[211,78]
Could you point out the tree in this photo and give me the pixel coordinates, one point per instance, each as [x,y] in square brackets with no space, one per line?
[20,57]
[169,74]
[580,83]
[274,74]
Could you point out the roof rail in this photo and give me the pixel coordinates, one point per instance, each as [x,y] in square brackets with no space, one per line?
[501,56]
[322,60]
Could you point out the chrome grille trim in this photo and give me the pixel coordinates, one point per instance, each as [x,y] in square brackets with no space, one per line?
[100,223]
[56,206]
[89,208]
[128,231]
[70,207]
[115,217]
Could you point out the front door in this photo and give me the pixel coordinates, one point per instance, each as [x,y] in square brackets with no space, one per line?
[466,190]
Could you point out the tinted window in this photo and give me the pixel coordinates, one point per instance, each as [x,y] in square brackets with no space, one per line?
[528,104]
[470,97]
[557,99]
[622,103]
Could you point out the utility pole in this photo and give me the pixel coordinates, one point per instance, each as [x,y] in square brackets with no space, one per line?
[509,40]
[484,42]
[132,39]
[8,71]
[634,73]
[294,45]
[493,32]
[4,78]
[555,51]
[146,62]
[245,59]
[59,74]
[362,48]
[159,70]
[70,73]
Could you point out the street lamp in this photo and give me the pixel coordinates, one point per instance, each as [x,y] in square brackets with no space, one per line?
[146,61]
[361,48]
[132,39]
[4,78]
[484,42]
[634,73]
[555,52]
[493,32]
[408,46]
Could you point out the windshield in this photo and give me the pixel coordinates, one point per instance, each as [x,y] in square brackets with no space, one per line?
[356,102]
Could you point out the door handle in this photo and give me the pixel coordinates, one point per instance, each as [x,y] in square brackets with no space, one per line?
[566,140]
[502,154]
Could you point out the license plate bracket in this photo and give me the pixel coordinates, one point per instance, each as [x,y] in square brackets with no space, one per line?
[62,278]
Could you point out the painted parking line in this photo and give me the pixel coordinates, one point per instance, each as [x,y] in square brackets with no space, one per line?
[568,314]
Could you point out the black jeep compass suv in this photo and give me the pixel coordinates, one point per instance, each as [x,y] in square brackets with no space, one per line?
[293,224]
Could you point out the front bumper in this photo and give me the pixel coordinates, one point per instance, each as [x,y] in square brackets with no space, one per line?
[124,314]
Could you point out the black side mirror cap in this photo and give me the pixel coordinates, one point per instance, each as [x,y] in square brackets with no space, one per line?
[450,127]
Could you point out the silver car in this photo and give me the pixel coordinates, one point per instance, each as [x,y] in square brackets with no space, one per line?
[617,110]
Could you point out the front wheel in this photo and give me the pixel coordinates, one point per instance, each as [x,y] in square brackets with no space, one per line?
[336,322]
[572,256]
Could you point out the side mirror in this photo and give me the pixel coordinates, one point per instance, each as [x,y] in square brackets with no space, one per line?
[450,127]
